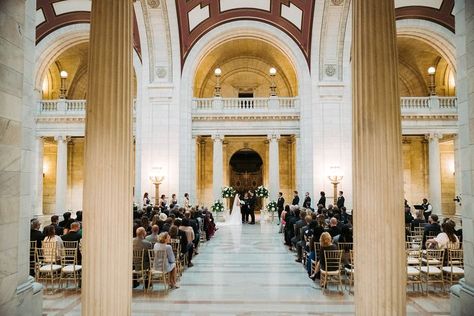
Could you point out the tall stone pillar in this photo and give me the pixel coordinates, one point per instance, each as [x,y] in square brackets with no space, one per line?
[377,161]
[38,176]
[61,174]
[274,166]
[217,166]
[462,295]
[108,162]
[457,174]
[434,172]
[193,174]
[298,166]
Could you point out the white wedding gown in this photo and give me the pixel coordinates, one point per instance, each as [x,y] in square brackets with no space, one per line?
[235,218]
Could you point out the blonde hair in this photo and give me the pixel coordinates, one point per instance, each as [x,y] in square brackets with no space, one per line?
[162,237]
[325,239]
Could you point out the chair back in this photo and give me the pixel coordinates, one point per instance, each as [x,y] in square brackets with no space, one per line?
[45,255]
[434,258]
[176,246]
[345,246]
[455,258]
[70,244]
[137,260]
[413,256]
[317,247]
[333,260]
[158,259]
[50,251]
[68,256]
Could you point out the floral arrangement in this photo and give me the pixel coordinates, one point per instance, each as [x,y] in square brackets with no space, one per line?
[261,192]
[272,206]
[228,192]
[218,206]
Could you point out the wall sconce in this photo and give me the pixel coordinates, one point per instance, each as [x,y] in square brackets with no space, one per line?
[335,176]
[157,177]
[62,92]
[272,72]
[217,88]
[432,86]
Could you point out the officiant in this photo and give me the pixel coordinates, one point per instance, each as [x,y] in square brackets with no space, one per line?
[244,208]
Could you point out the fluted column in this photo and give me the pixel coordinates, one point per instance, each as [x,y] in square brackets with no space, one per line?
[61,174]
[193,171]
[434,171]
[274,166]
[107,260]
[217,166]
[38,191]
[298,167]
[378,183]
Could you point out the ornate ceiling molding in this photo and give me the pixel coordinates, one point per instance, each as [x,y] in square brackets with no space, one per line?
[52,21]
[442,15]
[198,17]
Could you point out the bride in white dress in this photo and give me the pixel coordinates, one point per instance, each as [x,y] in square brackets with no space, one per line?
[235,218]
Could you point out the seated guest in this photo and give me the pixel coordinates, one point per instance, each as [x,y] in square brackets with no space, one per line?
[300,223]
[333,229]
[432,229]
[35,233]
[459,233]
[153,237]
[140,243]
[290,226]
[306,233]
[167,224]
[408,216]
[419,219]
[446,239]
[311,255]
[58,230]
[326,244]
[193,222]
[52,244]
[74,235]
[145,223]
[170,263]
[155,219]
[79,217]
[189,237]
[345,235]
[66,223]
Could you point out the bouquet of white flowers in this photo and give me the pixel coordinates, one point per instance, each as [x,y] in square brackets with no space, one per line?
[228,192]
[272,206]
[218,206]
[261,192]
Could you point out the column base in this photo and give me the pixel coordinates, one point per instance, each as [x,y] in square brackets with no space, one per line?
[462,299]
[28,300]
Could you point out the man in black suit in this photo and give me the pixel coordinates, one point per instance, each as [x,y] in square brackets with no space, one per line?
[296,199]
[74,235]
[66,223]
[244,208]
[57,229]
[280,206]
[307,201]
[322,199]
[298,236]
[251,207]
[35,235]
[432,229]
[340,200]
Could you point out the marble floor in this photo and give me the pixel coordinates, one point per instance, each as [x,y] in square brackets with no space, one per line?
[245,271]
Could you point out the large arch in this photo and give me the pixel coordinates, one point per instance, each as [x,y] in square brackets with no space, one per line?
[260,31]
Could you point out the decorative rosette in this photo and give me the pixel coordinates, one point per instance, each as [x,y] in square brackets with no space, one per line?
[228,192]
[261,192]
[218,206]
[272,206]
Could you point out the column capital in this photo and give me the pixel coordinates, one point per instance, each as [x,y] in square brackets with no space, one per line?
[273,137]
[217,137]
[433,135]
[63,138]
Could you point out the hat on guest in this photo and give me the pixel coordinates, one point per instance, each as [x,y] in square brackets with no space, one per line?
[163,217]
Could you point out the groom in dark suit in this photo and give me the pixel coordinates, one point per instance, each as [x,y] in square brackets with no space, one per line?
[251,206]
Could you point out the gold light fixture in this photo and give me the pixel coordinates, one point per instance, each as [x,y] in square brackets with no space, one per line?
[157,177]
[217,88]
[62,92]
[335,176]
[272,72]
[432,86]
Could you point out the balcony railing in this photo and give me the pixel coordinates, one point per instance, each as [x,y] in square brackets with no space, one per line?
[64,107]
[243,105]
[429,105]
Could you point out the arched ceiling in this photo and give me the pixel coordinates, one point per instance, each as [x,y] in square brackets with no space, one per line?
[245,64]
[415,57]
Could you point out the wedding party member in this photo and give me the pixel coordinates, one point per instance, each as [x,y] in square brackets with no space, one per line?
[307,201]
[322,199]
[146,199]
[174,201]
[427,209]
[163,202]
[187,203]
[296,198]
[170,263]
[244,208]
[280,206]
[340,200]
[251,207]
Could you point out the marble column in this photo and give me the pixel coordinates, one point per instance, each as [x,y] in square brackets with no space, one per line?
[193,172]
[434,172]
[108,182]
[217,166]
[298,167]
[462,295]
[377,162]
[61,174]
[38,190]
[274,166]
[457,174]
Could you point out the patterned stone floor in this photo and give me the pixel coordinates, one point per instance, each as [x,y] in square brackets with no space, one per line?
[245,271]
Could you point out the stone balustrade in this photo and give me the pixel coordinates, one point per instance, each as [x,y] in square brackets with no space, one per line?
[243,105]
[428,105]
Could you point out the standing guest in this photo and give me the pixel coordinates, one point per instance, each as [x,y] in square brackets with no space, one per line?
[140,243]
[340,200]
[427,209]
[153,237]
[146,199]
[280,206]
[52,242]
[58,230]
[170,263]
[66,223]
[307,201]
[418,220]
[174,201]
[344,215]
[322,199]
[296,198]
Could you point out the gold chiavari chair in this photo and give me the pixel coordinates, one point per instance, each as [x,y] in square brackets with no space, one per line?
[455,267]
[417,231]
[413,264]
[47,268]
[157,269]
[317,248]
[176,246]
[70,244]
[33,260]
[349,270]
[70,270]
[139,271]
[432,270]
[331,273]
